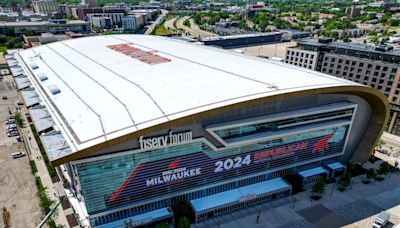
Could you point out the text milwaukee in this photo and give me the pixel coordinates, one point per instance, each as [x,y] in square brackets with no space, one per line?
[171,176]
[165,140]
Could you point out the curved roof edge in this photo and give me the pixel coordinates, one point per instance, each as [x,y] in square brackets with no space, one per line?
[378,102]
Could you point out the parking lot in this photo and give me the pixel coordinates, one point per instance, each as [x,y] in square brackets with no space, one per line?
[17,183]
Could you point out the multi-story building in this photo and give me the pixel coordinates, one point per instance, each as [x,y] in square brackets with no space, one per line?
[302,58]
[90,3]
[353,11]
[129,23]
[114,18]
[101,22]
[39,27]
[376,67]
[116,8]
[141,124]
[82,12]
[45,6]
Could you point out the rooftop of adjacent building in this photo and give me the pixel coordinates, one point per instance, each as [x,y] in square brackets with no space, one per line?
[36,23]
[326,42]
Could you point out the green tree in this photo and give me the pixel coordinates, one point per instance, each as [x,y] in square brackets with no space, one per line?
[380,143]
[345,180]
[394,22]
[319,187]
[162,225]
[3,39]
[184,222]
[346,39]
[371,173]
[10,44]
[384,168]
[45,201]
[18,119]
[186,23]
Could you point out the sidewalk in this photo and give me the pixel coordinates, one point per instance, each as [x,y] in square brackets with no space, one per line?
[355,207]
[35,155]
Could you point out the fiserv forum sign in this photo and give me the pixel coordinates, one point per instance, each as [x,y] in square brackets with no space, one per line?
[165,140]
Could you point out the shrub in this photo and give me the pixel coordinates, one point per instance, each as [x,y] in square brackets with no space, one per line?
[319,187]
[345,180]
[371,173]
[50,168]
[33,167]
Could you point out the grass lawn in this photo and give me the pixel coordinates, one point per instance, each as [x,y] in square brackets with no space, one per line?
[162,31]
[3,49]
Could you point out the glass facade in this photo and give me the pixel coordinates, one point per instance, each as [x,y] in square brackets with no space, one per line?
[162,177]
[247,132]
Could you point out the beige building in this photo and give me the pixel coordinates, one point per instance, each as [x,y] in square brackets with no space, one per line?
[45,6]
[376,74]
[302,58]
[376,67]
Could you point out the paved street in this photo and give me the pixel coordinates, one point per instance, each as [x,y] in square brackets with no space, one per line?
[356,208]
[169,24]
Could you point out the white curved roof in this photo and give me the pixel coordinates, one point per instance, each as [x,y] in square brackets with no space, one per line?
[105,93]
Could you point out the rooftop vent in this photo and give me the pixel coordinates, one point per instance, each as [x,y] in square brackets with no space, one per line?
[384,48]
[325,40]
[54,89]
[34,66]
[42,77]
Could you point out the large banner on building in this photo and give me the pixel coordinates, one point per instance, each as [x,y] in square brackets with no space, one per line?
[157,178]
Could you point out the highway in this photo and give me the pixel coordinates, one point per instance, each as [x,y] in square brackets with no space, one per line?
[156,22]
[194,29]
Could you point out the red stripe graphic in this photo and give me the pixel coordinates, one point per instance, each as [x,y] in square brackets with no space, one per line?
[173,164]
[123,185]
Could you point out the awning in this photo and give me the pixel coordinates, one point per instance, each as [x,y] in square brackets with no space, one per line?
[41,118]
[55,144]
[30,97]
[16,71]
[22,82]
[336,166]
[142,219]
[313,172]
[12,62]
[249,192]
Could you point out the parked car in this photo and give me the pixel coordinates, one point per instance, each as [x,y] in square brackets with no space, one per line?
[381,219]
[17,155]
[12,134]
[5,97]
[10,121]
[19,139]
[383,151]
[20,103]
[12,130]
[11,126]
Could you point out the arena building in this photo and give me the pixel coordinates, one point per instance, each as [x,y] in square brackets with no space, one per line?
[142,124]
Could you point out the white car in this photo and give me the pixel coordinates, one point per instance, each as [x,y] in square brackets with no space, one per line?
[12,134]
[10,121]
[10,126]
[17,154]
